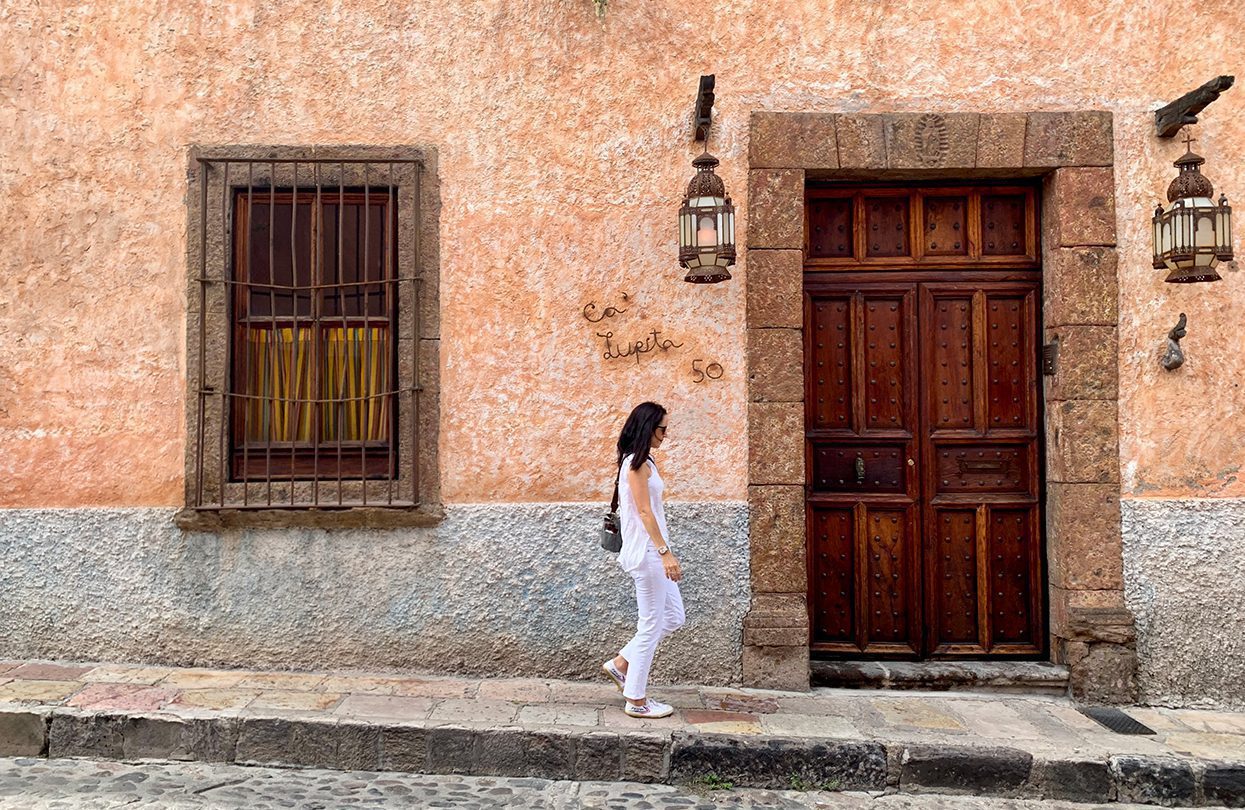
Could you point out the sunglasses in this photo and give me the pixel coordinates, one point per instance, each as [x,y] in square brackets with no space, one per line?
[662,428]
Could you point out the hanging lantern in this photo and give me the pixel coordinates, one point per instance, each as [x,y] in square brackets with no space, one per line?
[1193,233]
[706,226]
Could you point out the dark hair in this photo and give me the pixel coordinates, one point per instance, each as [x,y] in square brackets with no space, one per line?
[637,434]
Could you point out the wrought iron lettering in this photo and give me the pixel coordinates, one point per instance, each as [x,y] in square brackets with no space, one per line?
[713,371]
[590,311]
[635,348]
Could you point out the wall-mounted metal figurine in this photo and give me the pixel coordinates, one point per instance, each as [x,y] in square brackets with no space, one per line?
[1173,355]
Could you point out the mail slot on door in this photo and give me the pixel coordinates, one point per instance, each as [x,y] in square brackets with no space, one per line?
[856,468]
[983,469]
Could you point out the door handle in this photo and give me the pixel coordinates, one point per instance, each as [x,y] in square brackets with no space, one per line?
[860,469]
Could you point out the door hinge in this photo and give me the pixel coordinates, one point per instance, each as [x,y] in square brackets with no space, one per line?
[1050,357]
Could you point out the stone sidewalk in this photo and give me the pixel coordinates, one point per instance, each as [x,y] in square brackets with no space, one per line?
[994,745]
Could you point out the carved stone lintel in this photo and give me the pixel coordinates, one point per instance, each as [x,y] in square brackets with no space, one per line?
[1170,118]
[1173,357]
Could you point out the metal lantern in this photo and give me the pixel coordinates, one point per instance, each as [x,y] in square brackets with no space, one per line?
[706,226]
[1193,233]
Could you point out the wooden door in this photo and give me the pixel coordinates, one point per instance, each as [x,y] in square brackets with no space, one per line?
[923,430]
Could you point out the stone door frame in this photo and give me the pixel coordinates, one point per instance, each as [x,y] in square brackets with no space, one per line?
[1073,153]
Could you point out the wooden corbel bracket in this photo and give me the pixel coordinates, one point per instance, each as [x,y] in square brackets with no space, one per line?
[1170,118]
[704,107]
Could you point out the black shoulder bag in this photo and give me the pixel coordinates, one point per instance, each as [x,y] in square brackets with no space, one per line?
[611,531]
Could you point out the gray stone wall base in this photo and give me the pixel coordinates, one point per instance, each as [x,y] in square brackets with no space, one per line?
[639,756]
[1184,581]
[293,597]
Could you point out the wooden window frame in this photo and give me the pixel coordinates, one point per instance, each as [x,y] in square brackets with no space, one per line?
[404,492]
[254,460]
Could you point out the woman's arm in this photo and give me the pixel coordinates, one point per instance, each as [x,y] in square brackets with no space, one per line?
[638,481]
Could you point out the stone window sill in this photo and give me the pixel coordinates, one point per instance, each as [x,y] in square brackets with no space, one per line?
[362,517]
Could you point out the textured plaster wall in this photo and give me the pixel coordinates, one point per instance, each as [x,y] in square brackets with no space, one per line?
[563,144]
[1185,583]
[495,589]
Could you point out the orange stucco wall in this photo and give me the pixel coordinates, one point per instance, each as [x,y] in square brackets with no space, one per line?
[564,147]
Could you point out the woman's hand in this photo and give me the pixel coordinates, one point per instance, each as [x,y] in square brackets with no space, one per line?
[674,571]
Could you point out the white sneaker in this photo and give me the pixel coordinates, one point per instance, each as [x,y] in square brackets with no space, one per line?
[617,677]
[651,708]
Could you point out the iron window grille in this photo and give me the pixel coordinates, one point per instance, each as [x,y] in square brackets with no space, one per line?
[305,349]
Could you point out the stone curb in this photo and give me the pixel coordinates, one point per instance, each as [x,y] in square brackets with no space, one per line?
[634,756]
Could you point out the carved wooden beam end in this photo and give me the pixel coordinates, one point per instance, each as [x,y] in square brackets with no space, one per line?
[704,107]
[1170,118]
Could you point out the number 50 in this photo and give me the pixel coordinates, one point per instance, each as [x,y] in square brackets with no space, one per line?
[713,371]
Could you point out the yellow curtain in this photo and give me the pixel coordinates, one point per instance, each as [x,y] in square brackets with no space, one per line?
[354,376]
[278,374]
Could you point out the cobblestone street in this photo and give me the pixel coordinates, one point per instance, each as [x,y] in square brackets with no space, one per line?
[35,784]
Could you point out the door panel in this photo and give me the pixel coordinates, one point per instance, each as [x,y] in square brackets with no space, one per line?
[1012,566]
[828,362]
[981,461]
[861,413]
[848,467]
[1009,357]
[887,552]
[832,545]
[883,374]
[966,468]
[949,367]
[952,560]
[923,458]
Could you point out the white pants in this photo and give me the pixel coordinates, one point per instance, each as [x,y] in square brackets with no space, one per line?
[660,608]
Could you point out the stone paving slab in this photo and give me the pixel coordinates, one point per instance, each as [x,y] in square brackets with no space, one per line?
[1000,745]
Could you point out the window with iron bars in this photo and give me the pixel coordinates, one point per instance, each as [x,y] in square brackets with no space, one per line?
[308,361]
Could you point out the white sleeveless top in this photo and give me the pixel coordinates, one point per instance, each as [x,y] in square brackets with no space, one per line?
[634,536]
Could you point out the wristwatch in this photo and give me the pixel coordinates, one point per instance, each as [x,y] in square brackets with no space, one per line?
[663,550]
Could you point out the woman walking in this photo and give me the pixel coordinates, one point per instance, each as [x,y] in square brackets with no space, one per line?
[646,555]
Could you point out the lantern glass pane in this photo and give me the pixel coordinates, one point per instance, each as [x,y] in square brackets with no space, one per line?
[1182,230]
[1204,236]
[706,233]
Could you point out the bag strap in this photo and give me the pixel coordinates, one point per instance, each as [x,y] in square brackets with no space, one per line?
[614,500]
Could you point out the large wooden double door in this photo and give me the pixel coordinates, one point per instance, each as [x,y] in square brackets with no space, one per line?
[922,431]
